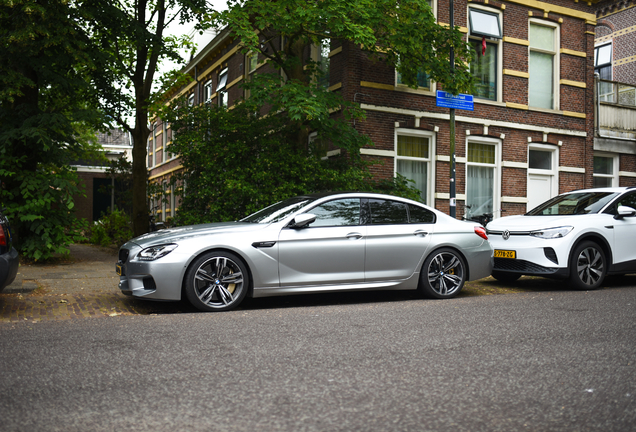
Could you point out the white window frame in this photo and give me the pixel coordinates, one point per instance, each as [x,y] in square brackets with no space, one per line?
[207,91]
[496,187]
[154,144]
[615,167]
[221,88]
[556,64]
[429,193]
[499,71]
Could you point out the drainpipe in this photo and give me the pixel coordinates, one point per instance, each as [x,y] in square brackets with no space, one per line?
[597,87]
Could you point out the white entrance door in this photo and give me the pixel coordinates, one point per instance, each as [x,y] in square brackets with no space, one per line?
[539,189]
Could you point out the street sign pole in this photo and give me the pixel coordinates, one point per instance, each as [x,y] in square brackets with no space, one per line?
[452,201]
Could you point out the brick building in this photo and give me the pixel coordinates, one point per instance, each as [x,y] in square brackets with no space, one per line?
[96,201]
[529,137]
[615,64]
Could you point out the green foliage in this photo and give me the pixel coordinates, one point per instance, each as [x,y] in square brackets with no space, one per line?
[112,229]
[236,162]
[403,34]
[41,204]
[47,119]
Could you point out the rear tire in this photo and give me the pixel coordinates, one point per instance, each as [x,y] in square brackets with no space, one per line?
[443,274]
[217,281]
[588,266]
[505,277]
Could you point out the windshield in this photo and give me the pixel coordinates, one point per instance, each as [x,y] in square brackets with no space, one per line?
[278,211]
[577,203]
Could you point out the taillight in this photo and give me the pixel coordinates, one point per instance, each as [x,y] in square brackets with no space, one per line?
[481,232]
[3,238]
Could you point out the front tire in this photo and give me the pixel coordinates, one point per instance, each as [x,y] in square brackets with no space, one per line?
[443,274]
[588,266]
[217,281]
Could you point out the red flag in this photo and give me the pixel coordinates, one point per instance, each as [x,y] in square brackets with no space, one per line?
[483,46]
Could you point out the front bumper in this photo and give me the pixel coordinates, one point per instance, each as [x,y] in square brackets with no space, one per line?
[533,256]
[153,280]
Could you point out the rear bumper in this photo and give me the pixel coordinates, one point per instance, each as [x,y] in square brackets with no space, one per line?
[9,263]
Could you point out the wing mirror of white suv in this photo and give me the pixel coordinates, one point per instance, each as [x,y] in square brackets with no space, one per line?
[624,211]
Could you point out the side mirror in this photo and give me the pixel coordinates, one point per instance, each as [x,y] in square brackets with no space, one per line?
[624,211]
[302,220]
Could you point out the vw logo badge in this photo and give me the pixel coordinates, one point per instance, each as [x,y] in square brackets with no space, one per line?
[506,235]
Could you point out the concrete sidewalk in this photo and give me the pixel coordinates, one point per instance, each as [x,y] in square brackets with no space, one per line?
[81,286]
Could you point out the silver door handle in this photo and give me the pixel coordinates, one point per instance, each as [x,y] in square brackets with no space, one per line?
[420,233]
[354,236]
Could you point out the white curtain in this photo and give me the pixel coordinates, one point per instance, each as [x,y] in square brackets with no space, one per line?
[416,171]
[479,189]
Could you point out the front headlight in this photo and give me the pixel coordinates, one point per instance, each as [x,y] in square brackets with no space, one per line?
[552,233]
[155,252]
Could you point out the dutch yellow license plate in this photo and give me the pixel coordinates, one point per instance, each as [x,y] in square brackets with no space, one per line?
[118,269]
[505,254]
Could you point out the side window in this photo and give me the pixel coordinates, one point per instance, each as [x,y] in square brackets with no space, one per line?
[420,215]
[342,212]
[385,212]
[628,200]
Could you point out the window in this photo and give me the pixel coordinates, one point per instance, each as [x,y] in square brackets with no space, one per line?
[154,145]
[413,158]
[191,100]
[484,65]
[320,55]
[251,61]
[542,64]
[481,173]
[164,200]
[484,24]
[221,88]
[342,212]
[603,61]
[628,200]
[538,159]
[207,91]
[420,215]
[605,170]
[385,212]
[422,79]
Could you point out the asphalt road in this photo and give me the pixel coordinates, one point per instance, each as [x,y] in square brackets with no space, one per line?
[537,361]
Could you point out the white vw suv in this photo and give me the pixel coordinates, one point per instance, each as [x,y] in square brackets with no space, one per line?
[581,236]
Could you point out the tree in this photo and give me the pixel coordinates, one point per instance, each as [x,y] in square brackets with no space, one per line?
[403,34]
[237,162]
[131,36]
[47,115]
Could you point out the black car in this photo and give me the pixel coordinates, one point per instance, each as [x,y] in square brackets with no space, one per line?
[8,254]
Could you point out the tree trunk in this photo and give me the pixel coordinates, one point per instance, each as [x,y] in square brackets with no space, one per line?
[140,178]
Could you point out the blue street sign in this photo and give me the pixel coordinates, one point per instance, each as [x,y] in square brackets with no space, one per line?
[461,101]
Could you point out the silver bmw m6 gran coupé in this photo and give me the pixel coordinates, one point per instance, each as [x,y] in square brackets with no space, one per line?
[307,244]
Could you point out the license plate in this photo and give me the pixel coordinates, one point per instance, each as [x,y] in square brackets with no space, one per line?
[505,254]
[119,269]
